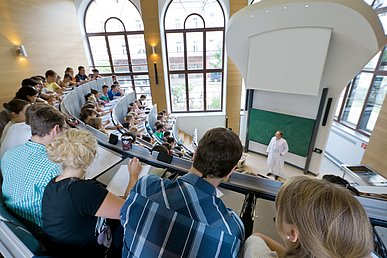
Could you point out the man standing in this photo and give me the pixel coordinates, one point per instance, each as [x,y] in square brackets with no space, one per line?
[276,150]
[26,168]
[184,217]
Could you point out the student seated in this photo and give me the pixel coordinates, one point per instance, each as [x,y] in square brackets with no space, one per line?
[184,217]
[81,77]
[315,218]
[16,132]
[15,113]
[74,209]
[159,131]
[104,94]
[27,93]
[96,122]
[87,114]
[114,93]
[26,168]
[141,101]
[52,86]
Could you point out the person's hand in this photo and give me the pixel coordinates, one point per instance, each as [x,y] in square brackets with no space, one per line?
[134,167]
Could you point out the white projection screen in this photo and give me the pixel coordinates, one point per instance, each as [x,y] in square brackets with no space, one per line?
[288,60]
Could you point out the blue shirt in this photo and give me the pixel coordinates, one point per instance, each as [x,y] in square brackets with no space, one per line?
[112,94]
[181,218]
[26,171]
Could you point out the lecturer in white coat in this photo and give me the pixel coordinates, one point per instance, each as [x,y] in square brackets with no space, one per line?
[276,150]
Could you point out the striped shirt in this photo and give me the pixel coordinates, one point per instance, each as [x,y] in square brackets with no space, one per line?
[27,171]
[181,218]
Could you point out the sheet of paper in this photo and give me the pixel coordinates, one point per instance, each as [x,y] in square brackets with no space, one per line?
[120,180]
[103,160]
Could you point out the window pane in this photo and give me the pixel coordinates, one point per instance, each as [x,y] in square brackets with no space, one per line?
[178,92]
[114,25]
[101,10]
[372,64]
[175,48]
[383,62]
[193,22]
[374,103]
[196,92]
[214,47]
[118,51]
[340,103]
[125,82]
[137,52]
[100,54]
[195,50]
[214,91]
[355,101]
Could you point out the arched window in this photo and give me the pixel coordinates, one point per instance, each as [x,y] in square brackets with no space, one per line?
[194,38]
[115,35]
[361,101]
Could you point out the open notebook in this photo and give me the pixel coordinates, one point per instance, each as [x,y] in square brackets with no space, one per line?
[103,160]
[120,180]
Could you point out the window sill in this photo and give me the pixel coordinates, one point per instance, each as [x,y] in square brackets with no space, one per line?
[350,132]
[198,114]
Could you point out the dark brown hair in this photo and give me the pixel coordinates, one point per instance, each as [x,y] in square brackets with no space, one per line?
[43,118]
[218,152]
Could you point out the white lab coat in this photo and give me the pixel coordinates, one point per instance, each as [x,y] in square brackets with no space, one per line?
[276,152]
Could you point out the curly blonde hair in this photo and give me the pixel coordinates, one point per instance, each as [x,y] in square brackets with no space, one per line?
[74,149]
[330,221]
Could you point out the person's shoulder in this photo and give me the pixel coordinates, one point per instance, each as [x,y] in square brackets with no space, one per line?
[150,184]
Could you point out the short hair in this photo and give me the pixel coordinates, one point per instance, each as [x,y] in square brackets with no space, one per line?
[330,221]
[88,105]
[29,82]
[73,149]
[280,132]
[93,91]
[143,97]
[159,126]
[157,123]
[105,86]
[113,86]
[167,133]
[95,122]
[218,152]
[86,112]
[68,76]
[43,118]
[95,71]
[159,117]
[23,92]
[80,67]
[170,139]
[50,73]
[160,149]
[15,105]
[42,78]
[161,113]
[68,69]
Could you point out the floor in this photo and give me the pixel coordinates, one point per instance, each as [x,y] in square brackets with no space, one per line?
[256,163]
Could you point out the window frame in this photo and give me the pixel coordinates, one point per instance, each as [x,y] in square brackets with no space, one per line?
[125,34]
[204,71]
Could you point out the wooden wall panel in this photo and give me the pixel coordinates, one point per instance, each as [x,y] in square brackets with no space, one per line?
[234,81]
[375,155]
[50,32]
[150,16]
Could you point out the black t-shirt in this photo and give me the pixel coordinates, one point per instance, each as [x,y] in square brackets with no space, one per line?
[69,207]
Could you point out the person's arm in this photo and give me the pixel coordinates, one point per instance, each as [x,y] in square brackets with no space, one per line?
[269,146]
[134,169]
[273,245]
[286,148]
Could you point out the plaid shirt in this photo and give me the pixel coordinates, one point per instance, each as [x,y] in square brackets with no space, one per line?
[27,171]
[181,218]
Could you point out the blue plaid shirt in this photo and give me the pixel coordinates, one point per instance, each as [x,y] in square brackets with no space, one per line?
[27,171]
[181,218]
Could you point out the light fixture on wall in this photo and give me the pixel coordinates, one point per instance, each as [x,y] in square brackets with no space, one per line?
[21,51]
[153,50]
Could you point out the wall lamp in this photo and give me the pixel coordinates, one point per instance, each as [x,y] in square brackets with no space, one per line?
[153,50]
[21,51]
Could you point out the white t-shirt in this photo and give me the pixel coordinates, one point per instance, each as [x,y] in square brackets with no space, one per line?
[5,130]
[17,134]
[255,247]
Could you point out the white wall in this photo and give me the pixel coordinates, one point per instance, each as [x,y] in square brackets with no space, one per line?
[345,145]
[203,123]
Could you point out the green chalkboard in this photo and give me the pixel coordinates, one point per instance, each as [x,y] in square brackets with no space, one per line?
[297,130]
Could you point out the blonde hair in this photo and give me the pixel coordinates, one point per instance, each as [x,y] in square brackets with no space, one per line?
[331,223]
[74,149]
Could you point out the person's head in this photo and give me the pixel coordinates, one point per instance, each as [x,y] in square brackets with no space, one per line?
[142,97]
[81,70]
[75,149]
[130,109]
[50,76]
[40,82]
[160,149]
[133,130]
[113,88]
[45,120]
[157,123]
[17,110]
[160,118]
[70,71]
[159,127]
[87,113]
[29,82]
[95,122]
[105,89]
[218,153]
[89,105]
[167,134]
[170,140]
[279,134]
[129,118]
[319,219]
[95,93]
[67,78]
[341,181]
[95,72]
[27,93]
